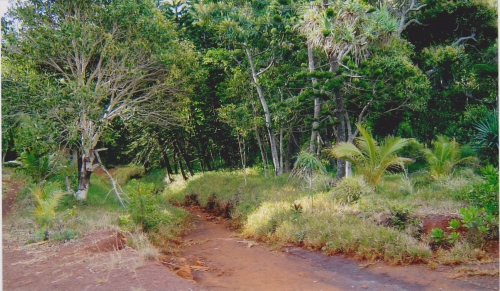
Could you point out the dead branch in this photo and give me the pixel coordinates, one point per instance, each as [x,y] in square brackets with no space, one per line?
[115,186]
[458,41]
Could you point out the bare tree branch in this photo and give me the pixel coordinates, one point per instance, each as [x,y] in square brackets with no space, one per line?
[458,41]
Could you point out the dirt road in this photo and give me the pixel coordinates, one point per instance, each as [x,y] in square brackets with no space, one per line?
[223,261]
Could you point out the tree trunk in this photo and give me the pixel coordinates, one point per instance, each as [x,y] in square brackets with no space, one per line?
[182,170]
[259,141]
[85,168]
[267,114]
[281,151]
[340,116]
[169,167]
[293,148]
[317,104]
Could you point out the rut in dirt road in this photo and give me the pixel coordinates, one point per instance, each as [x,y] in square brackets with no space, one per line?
[220,260]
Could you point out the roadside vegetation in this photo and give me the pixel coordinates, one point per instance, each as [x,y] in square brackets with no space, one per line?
[353,217]
[45,213]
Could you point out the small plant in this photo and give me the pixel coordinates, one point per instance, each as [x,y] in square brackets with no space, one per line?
[47,198]
[445,156]
[125,222]
[400,216]
[296,210]
[145,208]
[470,216]
[454,224]
[371,159]
[308,167]
[453,237]
[438,235]
[351,189]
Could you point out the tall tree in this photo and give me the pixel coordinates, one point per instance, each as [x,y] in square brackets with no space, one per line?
[105,60]
[341,29]
[249,31]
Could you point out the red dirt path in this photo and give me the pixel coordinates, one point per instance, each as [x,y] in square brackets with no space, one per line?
[222,261]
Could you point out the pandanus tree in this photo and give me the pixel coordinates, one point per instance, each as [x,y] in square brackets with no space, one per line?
[370,158]
[101,60]
[344,29]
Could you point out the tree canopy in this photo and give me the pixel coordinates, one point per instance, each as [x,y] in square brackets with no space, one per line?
[203,85]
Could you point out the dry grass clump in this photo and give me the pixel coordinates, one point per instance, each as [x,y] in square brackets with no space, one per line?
[461,252]
[124,174]
[332,227]
[140,242]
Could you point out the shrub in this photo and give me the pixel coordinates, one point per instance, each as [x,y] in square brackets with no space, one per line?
[145,208]
[371,159]
[485,195]
[445,156]
[123,174]
[47,198]
[351,189]
[308,167]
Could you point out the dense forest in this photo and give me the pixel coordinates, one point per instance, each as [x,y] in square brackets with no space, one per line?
[195,86]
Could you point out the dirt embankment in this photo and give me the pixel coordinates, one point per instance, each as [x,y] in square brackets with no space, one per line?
[96,261]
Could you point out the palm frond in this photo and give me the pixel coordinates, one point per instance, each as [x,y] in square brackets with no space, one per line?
[370,158]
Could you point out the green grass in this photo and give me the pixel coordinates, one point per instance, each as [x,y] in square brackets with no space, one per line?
[124,174]
[101,210]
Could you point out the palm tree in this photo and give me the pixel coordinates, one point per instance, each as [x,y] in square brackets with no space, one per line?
[370,158]
[445,156]
[47,197]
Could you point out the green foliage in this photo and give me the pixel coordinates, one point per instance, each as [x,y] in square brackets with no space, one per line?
[35,167]
[486,136]
[47,197]
[454,224]
[307,166]
[145,208]
[480,223]
[437,235]
[351,189]
[485,194]
[445,156]
[372,160]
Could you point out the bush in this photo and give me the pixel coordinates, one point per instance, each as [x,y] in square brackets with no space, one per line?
[124,174]
[485,195]
[47,197]
[351,189]
[145,209]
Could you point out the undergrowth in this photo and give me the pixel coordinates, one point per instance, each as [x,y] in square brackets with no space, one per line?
[351,218]
[148,221]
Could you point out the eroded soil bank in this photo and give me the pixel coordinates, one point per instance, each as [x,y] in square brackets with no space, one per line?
[219,260]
